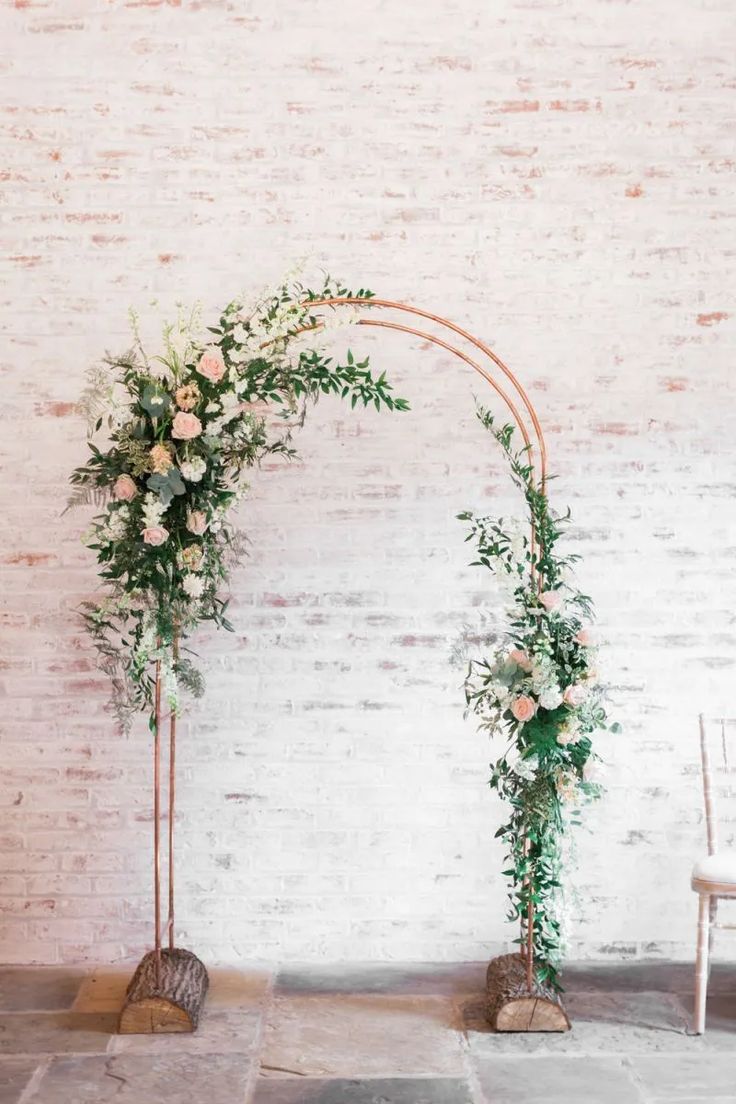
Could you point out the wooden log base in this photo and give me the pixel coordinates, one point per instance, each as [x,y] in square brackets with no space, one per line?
[512,1006]
[172,1006]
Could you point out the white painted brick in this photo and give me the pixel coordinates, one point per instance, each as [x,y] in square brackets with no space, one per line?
[558,180]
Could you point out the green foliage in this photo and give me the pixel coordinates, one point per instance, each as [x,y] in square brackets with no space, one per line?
[165,542]
[538,692]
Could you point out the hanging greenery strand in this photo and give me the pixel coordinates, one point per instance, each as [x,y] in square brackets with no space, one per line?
[539,692]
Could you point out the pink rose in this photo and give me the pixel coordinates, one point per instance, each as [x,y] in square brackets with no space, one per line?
[155,535]
[521,659]
[125,488]
[551,599]
[582,637]
[523,709]
[211,365]
[186,426]
[196,522]
[575,694]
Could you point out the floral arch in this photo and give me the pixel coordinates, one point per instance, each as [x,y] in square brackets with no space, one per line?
[182,427]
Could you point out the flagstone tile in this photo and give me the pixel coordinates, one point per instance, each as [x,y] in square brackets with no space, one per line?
[602,1023]
[234,988]
[443,979]
[38,988]
[15,1073]
[56,1032]
[361,1036]
[685,1078]
[557,1079]
[720,1023]
[176,1078]
[406,1090]
[219,1032]
[645,977]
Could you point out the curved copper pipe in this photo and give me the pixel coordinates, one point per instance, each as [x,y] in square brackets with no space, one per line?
[458,353]
[463,356]
[392,305]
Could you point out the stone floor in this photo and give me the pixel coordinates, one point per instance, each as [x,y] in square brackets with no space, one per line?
[367,1035]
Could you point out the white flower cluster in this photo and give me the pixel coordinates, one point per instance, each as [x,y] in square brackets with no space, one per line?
[526,769]
[193,470]
[229,404]
[153,511]
[117,523]
[544,681]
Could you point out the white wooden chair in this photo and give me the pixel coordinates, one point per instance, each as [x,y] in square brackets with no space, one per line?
[713,877]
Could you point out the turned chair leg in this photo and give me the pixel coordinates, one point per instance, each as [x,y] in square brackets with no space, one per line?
[701,963]
[712,918]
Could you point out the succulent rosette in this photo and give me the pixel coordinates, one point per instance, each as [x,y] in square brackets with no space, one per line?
[181,431]
[539,691]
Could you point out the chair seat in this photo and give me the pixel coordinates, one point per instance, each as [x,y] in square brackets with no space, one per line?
[715,873]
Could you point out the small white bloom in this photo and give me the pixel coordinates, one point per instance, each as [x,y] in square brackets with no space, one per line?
[550,697]
[240,334]
[117,523]
[193,470]
[526,768]
[193,585]
[153,511]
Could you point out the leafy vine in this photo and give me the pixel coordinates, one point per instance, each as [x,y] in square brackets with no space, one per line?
[539,692]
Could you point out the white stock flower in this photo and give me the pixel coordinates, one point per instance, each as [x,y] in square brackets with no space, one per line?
[153,511]
[117,523]
[526,768]
[193,470]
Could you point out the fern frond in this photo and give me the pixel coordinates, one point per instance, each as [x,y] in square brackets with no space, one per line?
[87,496]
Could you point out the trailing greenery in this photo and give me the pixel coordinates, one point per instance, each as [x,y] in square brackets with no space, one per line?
[180,431]
[539,692]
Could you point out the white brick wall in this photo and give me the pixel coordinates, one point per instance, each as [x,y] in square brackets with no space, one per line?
[556,177]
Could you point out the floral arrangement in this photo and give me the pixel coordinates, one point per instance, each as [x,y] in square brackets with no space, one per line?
[182,429]
[539,691]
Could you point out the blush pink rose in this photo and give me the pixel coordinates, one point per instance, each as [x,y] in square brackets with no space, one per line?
[521,659]
[551,599]
[523,708]
[186,426]
[196,522]
[575,694]
[582,637]
[124,489]
[211,365]
[155,535]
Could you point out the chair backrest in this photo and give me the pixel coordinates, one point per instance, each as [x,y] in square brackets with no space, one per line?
[721,763]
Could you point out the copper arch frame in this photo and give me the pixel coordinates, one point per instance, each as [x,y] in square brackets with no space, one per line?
[539,463]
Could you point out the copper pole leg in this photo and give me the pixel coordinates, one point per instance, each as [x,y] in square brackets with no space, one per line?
[172,800]
[157,821]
